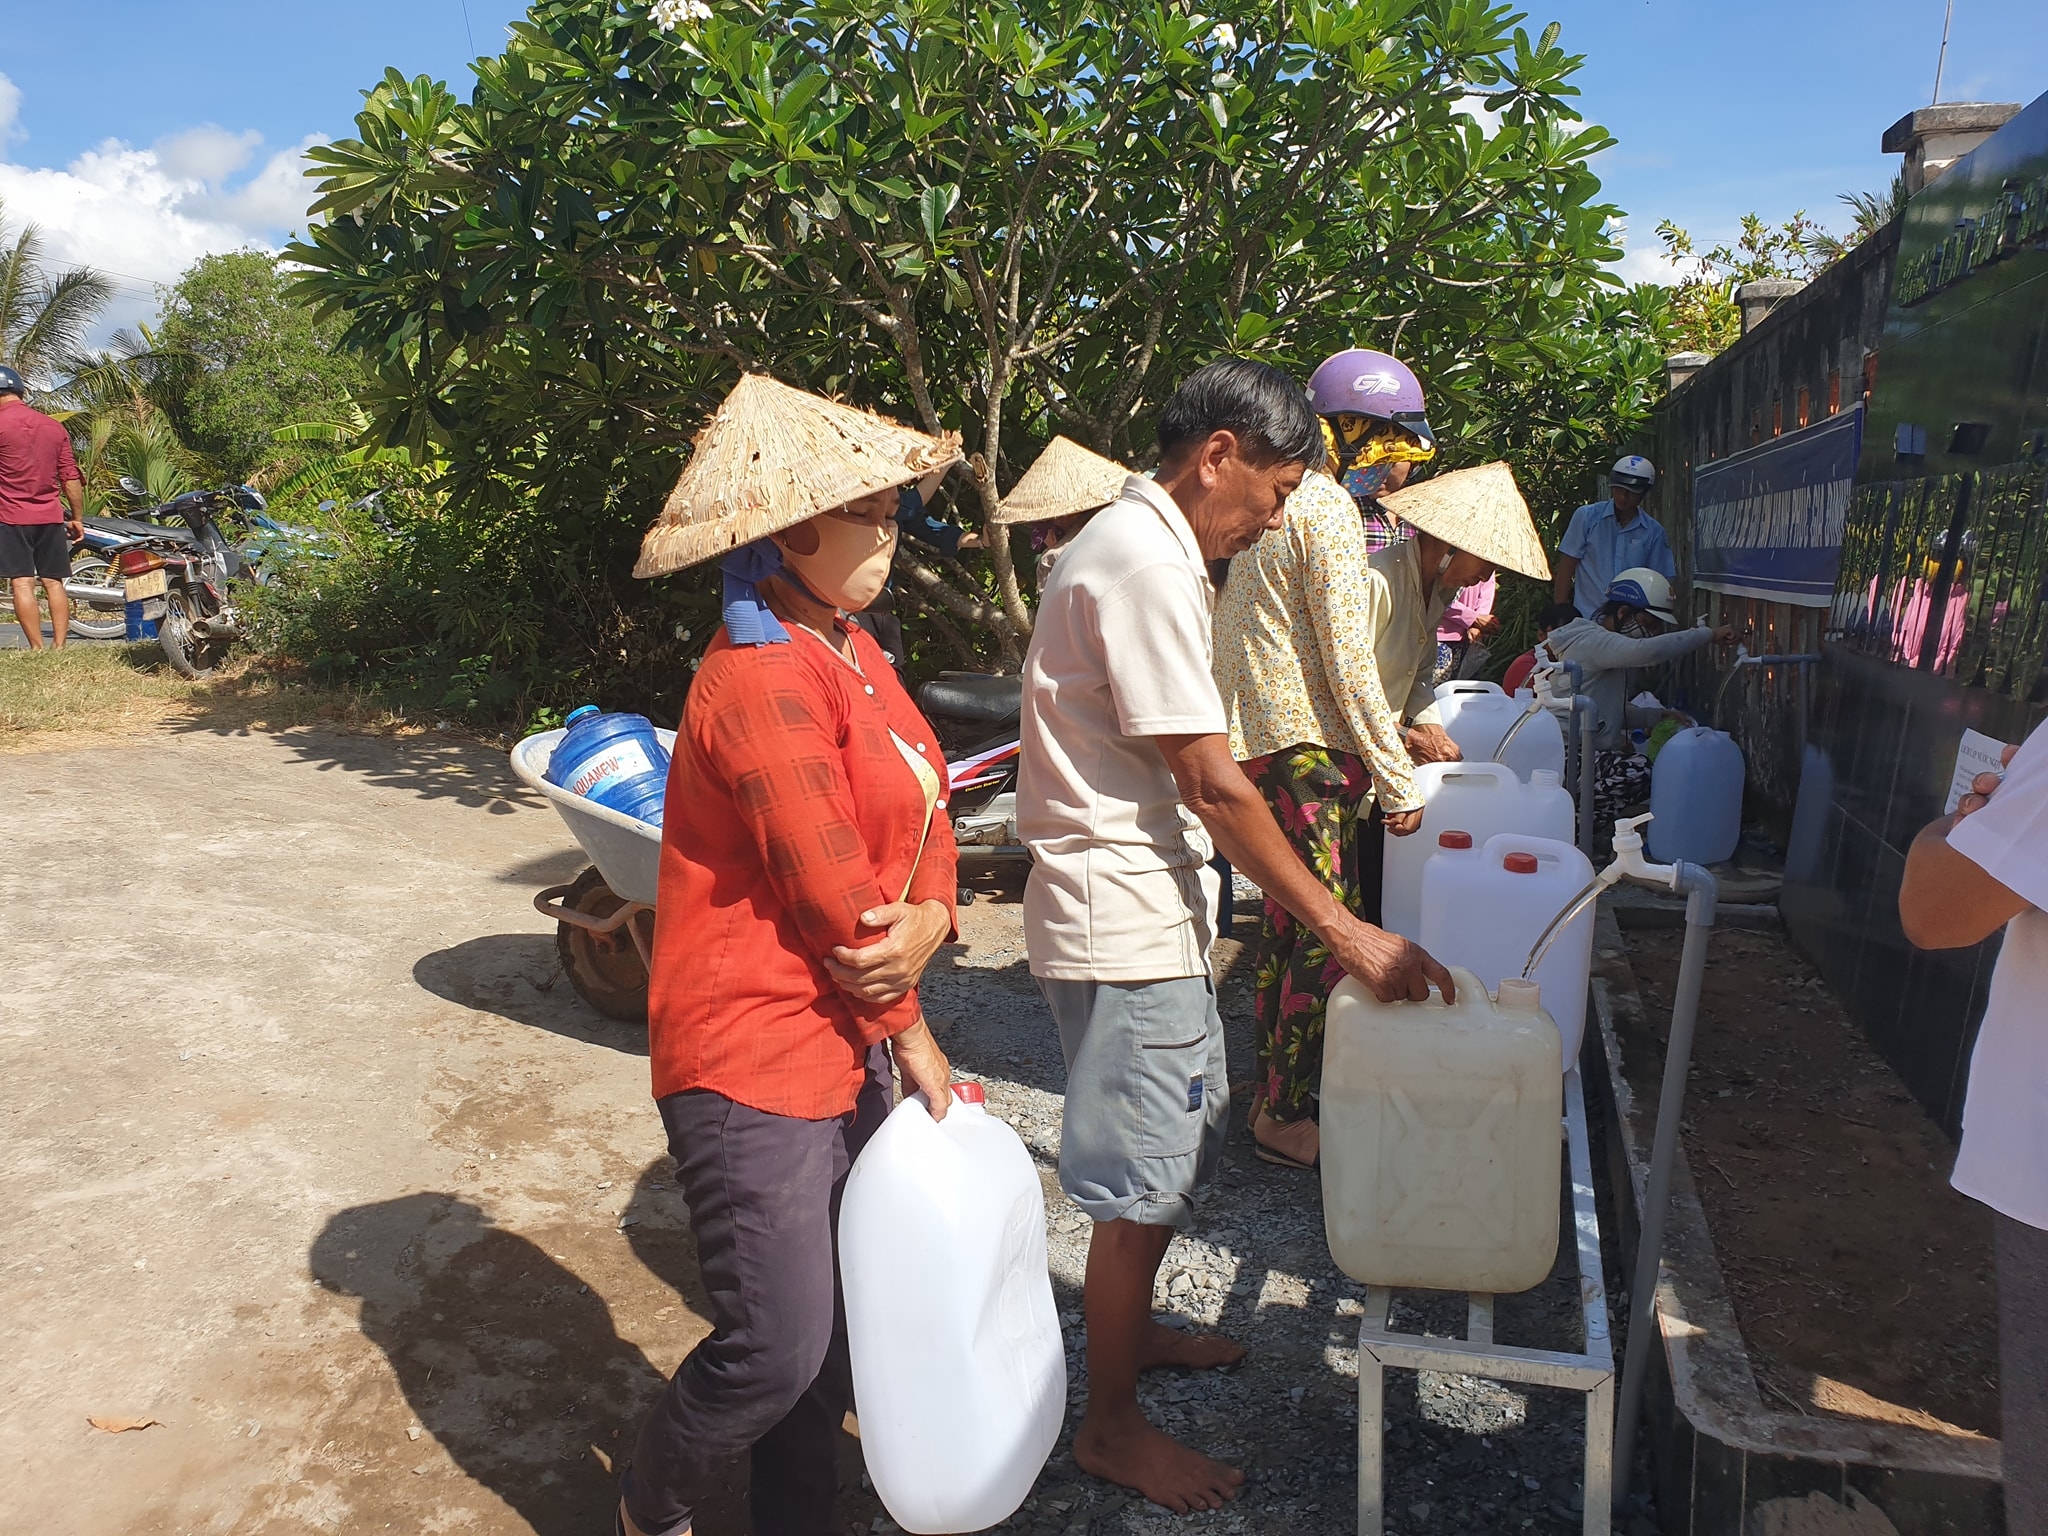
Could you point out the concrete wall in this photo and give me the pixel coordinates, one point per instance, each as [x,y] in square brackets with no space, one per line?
[1813,355]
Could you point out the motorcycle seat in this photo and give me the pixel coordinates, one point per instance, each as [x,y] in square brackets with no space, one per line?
[134,528]
[970,696]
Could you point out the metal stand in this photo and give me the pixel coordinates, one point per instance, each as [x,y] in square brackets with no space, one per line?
[1477,1355]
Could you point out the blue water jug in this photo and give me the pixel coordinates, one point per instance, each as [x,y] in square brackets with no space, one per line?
[616,760]
[1696,797]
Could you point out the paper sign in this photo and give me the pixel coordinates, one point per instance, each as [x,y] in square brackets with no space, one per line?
[1978,754]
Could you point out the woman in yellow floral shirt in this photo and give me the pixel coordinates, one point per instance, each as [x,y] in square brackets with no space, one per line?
[1309,721]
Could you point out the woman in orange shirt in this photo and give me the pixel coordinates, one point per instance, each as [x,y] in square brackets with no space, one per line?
[807,876]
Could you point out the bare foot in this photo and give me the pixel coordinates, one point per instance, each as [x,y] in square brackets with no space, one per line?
[1162,1346]
[1121,1447]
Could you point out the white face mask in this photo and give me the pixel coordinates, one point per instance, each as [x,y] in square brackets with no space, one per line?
[851,563]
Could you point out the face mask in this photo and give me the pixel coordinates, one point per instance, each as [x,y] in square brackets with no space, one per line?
[850,565]
[1369,481]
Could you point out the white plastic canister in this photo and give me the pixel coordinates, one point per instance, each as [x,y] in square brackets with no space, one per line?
[1696,798]
[1485,908]
[1484,799]
[1440,1151]
[959,1375]
[1477,716]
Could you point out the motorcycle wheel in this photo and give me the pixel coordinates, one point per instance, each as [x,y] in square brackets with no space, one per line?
[189,654]
[103,625]
[604,968]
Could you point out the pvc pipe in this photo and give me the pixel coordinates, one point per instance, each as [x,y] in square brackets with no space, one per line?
[1701,895]
[1588,732]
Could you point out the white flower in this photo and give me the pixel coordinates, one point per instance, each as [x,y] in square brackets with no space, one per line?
[1224,36]
[670,14]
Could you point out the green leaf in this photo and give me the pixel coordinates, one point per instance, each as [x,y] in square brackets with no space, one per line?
[933,206]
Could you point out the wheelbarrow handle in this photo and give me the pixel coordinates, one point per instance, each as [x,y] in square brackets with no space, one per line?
[549,903]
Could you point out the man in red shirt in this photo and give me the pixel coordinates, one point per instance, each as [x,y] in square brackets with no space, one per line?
[38,475]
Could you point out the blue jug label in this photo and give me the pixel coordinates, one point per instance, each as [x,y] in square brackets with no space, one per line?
[1194,1093]
[620,760]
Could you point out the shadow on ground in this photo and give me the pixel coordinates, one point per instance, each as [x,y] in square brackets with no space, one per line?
[519,977]
[512,1361]
[435,765]
[506,1357]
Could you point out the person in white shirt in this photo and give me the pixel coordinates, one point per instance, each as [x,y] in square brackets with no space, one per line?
[1126,774]
[1968,876]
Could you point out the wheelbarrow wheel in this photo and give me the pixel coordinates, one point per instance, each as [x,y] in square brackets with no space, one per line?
[604,968]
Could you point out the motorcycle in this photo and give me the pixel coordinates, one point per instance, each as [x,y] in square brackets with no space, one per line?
[981,767]
[180,575]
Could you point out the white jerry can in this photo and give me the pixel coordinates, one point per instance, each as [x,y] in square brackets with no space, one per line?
[1477,716]
[1485,909]
[959,1374]
[1483,799]
[1441,1138]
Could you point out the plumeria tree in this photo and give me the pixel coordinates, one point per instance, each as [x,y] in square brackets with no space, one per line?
[1008,220]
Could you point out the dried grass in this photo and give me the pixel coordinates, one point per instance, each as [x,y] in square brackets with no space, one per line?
[56,699]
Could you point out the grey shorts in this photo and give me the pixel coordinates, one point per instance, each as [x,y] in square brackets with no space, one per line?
[1148,1095]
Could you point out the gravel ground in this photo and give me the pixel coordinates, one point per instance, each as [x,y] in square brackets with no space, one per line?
[1462,1454]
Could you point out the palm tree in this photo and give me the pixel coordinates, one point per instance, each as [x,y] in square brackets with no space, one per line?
[44,315]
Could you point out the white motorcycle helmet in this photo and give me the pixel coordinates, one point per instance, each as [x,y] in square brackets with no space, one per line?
[1641,587]
[1633,472]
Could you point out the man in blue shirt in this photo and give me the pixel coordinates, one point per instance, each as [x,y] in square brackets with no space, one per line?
[1608,537]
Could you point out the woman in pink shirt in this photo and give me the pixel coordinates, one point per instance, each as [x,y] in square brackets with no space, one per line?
[1466,622]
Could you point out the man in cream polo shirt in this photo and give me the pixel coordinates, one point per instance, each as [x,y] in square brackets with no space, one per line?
[1126,777]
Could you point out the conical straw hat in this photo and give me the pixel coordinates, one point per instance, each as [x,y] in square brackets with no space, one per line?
[1061,481]
[1480,511]
[770,458]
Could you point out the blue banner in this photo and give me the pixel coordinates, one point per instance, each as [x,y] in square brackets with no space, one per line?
[1767,522]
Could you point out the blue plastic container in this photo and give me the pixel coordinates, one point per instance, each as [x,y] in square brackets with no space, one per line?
[615,760]
[1696,798]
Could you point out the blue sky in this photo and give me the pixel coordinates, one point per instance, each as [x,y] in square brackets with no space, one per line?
[162,130]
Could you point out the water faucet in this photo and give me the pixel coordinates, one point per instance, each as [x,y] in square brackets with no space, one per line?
[1630,862]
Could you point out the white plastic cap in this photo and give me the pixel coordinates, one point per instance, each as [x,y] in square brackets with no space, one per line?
[1545,778]
[1520,996]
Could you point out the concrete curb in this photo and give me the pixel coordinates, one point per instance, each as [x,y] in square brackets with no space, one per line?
[1726,1465]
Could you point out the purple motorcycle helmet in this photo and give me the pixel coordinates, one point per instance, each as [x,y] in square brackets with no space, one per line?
[1370,384]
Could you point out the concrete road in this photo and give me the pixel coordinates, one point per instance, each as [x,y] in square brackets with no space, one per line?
[311,1154]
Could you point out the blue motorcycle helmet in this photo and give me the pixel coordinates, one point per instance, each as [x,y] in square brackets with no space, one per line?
[12,383]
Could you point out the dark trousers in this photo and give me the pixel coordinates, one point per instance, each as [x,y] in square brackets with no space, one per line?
[1372,865]
[2023,1373]
[773,1376]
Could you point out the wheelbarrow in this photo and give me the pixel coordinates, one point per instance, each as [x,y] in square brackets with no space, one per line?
[604,918]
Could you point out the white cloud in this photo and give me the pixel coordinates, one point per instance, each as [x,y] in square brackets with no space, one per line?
[208,153]
[1644,263]
[1649,266]
[145,215]
[10,110]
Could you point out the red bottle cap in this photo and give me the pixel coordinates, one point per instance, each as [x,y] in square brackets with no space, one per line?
[1454,839]
[1519,863]
[970,1093]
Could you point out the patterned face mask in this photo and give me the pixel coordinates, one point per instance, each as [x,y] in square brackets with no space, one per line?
[1363,484]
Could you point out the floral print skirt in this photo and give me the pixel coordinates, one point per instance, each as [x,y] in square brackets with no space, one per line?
[1319,799]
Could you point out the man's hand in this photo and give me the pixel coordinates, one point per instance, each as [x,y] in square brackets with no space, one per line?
[1432,744]
[1389,966]
[1984,786]
[923,1066]
[74,529]
[884,971]
[1402,823]
[1481,627]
